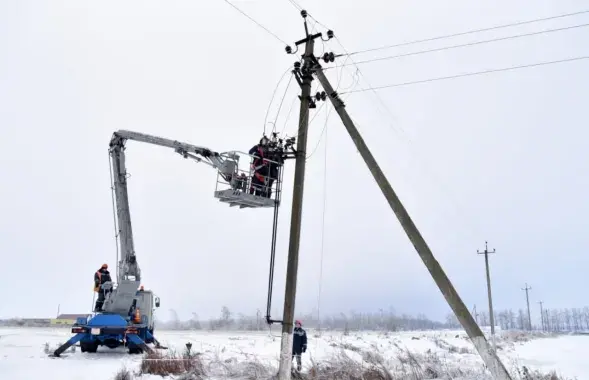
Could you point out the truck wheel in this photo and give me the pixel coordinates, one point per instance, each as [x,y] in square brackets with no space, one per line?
[90,347]
[135,350]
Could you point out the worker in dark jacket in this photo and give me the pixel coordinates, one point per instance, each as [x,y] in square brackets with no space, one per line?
[260,167]
[101,276]
[299,343]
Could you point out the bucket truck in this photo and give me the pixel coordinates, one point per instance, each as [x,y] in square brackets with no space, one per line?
[127,315]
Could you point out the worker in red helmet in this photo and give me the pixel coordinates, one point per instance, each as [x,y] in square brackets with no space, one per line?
[101,276]
[299,343]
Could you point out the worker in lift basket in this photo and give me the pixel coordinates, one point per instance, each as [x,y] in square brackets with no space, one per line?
[299,343]
[260,166]
[101,276]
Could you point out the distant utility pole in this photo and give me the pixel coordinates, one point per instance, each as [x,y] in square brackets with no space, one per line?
[475,314]
[528,303]
[489,296]
[542,314]
[304,77]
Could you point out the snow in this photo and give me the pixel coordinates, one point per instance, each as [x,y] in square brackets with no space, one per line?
[23,356]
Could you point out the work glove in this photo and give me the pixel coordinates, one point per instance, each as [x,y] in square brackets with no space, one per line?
[304,348]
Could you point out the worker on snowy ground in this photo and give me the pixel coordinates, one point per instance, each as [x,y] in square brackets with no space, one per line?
[260,167]
[100,278]
[299,343]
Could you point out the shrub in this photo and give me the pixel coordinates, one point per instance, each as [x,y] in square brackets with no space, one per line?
[124,374]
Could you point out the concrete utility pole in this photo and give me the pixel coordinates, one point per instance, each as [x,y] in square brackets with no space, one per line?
[486,352]
[304,78]
[528,303]
[541,314]
[489,296]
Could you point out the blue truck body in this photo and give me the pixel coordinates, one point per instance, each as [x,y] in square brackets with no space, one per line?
[112,331]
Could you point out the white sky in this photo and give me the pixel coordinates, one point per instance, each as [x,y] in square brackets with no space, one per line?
[500,157]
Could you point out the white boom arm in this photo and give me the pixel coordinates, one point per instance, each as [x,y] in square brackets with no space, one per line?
[226,165]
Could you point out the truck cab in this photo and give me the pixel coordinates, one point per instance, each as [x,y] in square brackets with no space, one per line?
[147,302]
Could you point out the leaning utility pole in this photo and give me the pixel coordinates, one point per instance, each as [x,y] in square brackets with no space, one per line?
[528,303]
[541,314]
[304,78]
[486,352]
[489,296]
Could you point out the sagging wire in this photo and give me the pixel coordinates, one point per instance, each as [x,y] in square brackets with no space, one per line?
[273,95]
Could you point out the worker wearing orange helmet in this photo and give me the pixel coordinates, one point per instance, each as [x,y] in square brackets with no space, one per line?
[101,276]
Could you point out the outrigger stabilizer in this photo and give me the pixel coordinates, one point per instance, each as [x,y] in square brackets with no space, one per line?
[113,331]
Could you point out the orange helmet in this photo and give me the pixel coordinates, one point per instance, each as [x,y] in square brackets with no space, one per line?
[104,266]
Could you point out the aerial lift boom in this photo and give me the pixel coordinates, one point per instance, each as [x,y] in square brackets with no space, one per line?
[119,322]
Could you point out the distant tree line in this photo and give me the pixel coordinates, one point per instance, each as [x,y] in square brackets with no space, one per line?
[552,320]
[354,321]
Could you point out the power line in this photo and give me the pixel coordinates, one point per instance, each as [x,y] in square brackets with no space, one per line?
[257,23]
[472,32]
[467,44]
[380,105]
[322,226]
[469,74]
[273,95]
[296,5]
[281,101]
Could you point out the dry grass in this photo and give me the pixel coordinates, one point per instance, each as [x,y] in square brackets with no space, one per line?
[171,363]
[342,367]
[372,366]
[124,374]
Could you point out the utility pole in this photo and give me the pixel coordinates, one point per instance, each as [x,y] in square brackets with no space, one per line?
[489,296]
[461,311]
[528,303]
[541,314]
[304,77]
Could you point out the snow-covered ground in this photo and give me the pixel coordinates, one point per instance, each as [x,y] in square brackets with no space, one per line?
[23,356]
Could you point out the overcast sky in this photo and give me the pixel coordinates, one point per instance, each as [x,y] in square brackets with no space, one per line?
[501,157]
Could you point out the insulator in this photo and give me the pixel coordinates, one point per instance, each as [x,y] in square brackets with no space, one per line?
[318,96]
[331,57]
[288,50]
[323,95]
[304,13]
[330,34]
[326,57]
[297,65]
